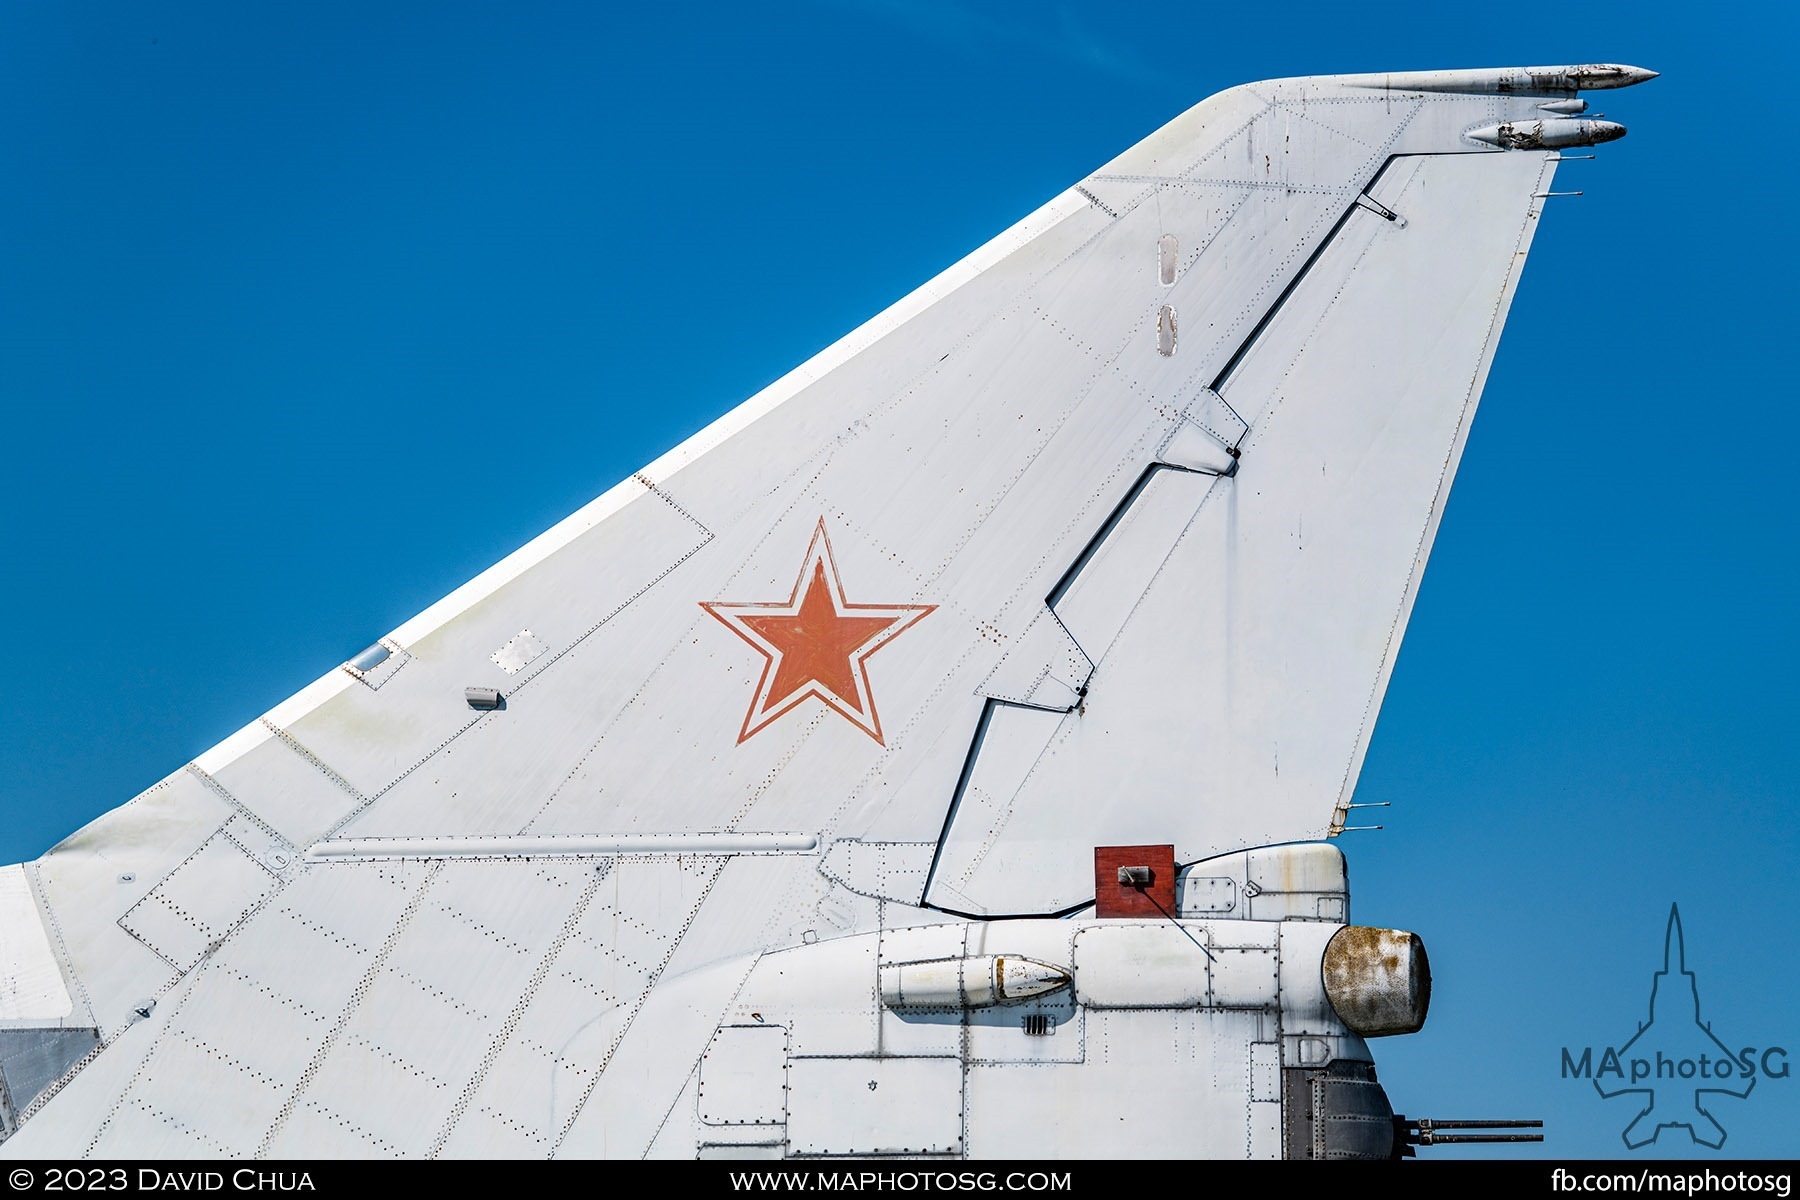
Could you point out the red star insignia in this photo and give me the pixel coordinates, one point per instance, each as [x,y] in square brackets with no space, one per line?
[816,643]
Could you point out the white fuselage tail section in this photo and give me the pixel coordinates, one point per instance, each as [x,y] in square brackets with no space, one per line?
[755,808]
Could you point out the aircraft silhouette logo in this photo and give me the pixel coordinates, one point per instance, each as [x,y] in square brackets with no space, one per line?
[1689,1064]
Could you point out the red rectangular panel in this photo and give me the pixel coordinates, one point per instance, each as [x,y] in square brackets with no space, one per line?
[1115,899]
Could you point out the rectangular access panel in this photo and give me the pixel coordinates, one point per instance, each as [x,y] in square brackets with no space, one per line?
[869,1106]
[1153,896]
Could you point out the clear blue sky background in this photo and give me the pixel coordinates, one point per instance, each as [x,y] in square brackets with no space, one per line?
[308,313]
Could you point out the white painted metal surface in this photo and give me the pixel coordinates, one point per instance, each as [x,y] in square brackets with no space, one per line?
[1108,535]
[743,1083]
[876,1106]
[595,845]
[31,984]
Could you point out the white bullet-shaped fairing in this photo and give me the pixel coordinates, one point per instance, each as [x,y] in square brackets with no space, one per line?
[973,982]
[1502,81]
[1595,76]
[1550,133]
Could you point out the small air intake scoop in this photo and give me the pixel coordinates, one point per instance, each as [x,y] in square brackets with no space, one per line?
[976,981]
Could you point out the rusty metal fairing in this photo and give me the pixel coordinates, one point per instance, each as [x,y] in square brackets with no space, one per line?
[1378,980]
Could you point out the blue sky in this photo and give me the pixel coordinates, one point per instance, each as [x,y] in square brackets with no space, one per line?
[310,313]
